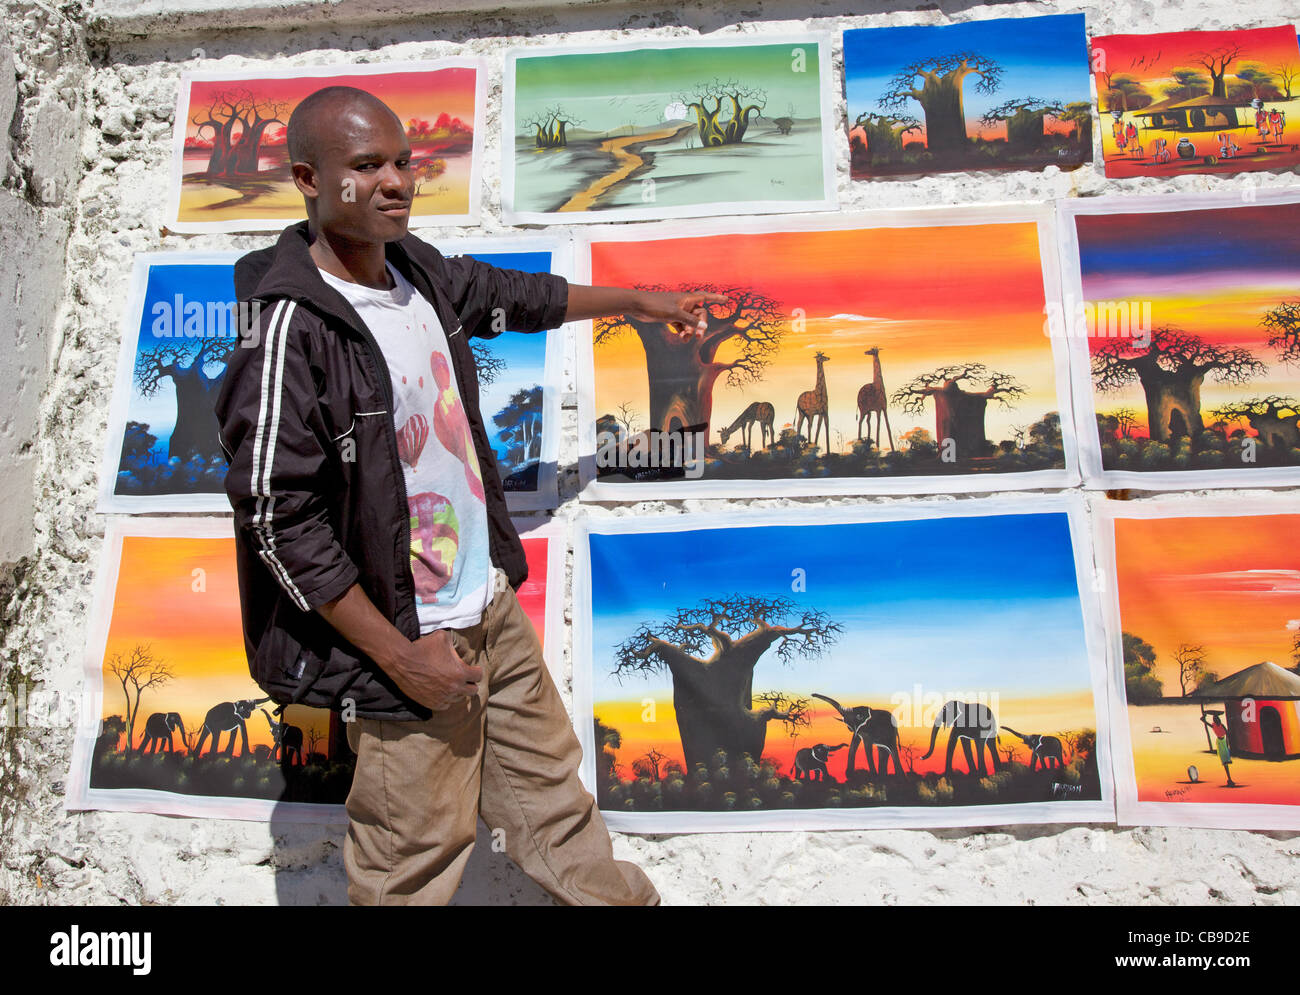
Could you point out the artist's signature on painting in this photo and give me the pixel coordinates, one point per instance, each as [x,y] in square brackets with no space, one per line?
[1175,792]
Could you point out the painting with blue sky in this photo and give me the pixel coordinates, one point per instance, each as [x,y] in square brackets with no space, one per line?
[1007,93]
[909,665]
[519,391]
[181,321]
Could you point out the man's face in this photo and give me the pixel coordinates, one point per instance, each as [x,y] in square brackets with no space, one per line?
[363,184]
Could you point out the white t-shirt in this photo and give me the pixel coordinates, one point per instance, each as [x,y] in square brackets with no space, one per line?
[450,558]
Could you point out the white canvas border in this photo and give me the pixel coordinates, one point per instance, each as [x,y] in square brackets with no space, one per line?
[829,134]
[325,71]
[885,817]
[1040,213]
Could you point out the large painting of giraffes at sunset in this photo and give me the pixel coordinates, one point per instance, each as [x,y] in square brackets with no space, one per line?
[668,128]
[843,668]
[893,351]
[1203,624]
[173,722]
[1198,101]
[1182,314]
[230,160]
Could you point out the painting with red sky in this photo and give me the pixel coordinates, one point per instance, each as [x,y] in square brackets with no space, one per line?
[1183,316]
[1198,101]
[1205,629]
[230,169]
[886,352]
[1002,93]
[841,668]
[181,727]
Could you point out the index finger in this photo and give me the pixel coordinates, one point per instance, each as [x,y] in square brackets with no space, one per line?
[472,675]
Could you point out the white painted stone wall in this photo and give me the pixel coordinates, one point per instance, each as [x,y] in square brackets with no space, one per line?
[128,74]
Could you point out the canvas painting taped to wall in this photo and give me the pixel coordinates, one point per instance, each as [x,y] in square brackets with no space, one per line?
[174,724]
[230,158]
[1198,101]
[181,324]
[886,352]
[1006,93]
[666,129]
[1182,314]
[1203,622]
[841,668]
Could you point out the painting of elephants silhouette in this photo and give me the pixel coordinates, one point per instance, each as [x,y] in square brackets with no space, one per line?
[667,129]
[230,157]
[1004,93]
[1203,621]
[176,724]
[1198,101]
[852,668]
[1182,314]
[844,360]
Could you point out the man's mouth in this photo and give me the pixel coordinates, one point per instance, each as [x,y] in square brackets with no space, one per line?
[401,208]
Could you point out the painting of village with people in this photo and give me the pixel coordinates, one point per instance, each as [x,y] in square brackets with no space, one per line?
[844,359]
[1198,101]
[183,728]
[231,158]
[1005,93]
[1192,370]
[745,667]
[678,129]
[1207,596]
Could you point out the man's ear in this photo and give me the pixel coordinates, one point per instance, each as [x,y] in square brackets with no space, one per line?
[306,179]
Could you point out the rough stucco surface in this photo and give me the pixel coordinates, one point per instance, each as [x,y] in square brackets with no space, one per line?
[128,85]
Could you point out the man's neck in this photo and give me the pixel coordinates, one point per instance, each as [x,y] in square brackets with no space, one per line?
[356,262]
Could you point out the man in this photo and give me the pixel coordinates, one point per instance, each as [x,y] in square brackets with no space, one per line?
[377,563]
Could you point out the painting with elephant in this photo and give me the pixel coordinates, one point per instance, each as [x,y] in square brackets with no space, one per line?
[848,667]
[172,722]
[844,361]
[1202,603]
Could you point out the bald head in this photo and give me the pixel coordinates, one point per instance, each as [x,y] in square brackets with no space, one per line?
[320,115]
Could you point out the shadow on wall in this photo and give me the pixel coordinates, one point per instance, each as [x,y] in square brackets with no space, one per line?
[309,869]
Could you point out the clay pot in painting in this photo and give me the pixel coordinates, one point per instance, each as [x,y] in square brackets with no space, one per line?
[1186,150]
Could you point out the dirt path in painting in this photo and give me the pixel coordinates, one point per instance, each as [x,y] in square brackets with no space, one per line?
[626,161]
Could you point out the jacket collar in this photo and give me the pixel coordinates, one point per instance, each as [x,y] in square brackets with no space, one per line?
[288,270]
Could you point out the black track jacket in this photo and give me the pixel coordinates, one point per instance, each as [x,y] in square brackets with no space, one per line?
[305,418]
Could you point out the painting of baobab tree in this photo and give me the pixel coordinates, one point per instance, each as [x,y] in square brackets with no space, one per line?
[230,169]
[177,724]
[180,325]
[667,129]
[1007,93]
[519,376]
[750,672]
[1204,620]
[844,359]
[1186,331]
[1198,101]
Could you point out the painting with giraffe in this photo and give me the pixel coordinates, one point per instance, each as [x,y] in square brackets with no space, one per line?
[1182,315]
[844,360]
[669,128]
[841,667]
[173,724]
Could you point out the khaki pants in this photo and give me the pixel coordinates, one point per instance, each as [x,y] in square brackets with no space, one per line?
[509,754]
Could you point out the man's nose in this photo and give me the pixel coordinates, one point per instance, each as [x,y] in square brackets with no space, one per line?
[393,182]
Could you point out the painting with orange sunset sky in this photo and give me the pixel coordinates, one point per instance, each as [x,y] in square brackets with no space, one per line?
[892,351]
[1204,619]
[1183,317]
[230,168]
[177,699]
[848,667]
[1198,101]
